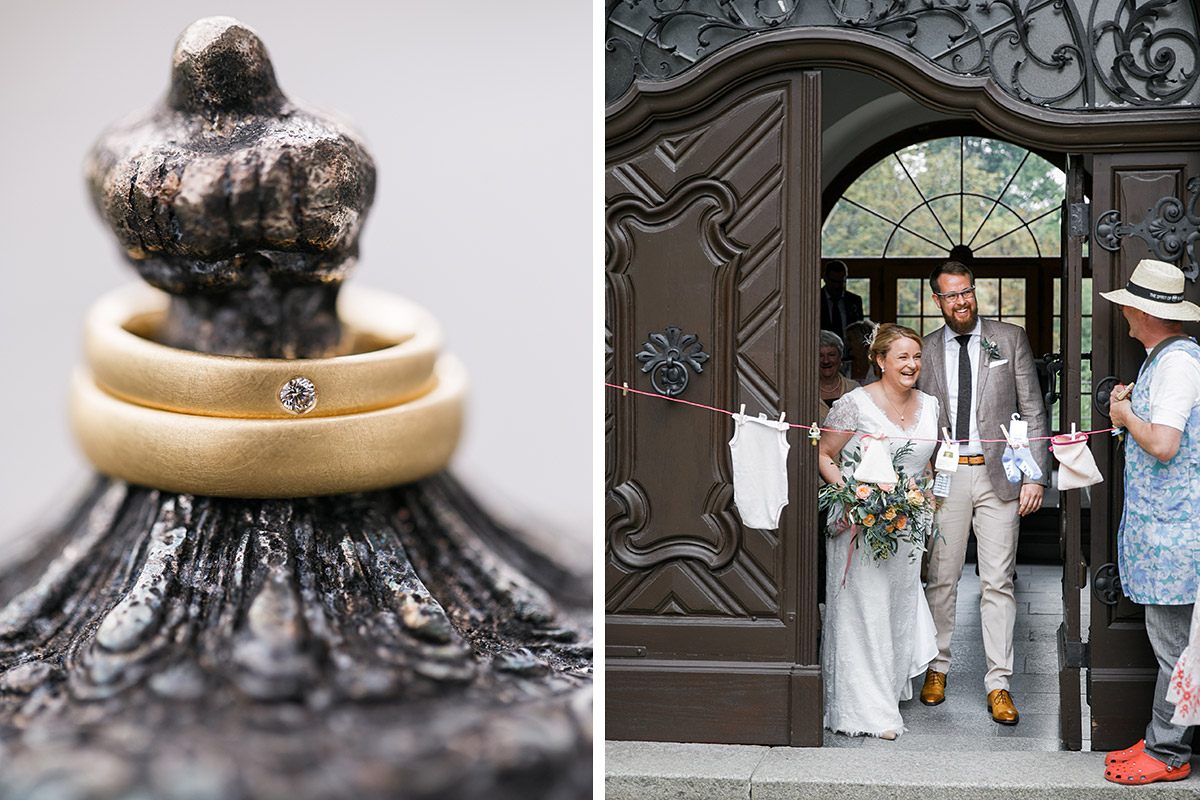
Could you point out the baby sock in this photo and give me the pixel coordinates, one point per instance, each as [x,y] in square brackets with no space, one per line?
[1009,461]
[1024,459]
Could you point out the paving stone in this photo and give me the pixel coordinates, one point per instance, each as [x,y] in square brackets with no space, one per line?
[901,774]
[654,770]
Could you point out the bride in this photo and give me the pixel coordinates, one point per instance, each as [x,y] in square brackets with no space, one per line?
[878,631]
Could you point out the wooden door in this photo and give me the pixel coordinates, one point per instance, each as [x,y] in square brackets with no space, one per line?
[1070,648]
[712,231]
[1128,189]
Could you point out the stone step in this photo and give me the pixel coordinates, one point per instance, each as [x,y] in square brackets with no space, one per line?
[658,770]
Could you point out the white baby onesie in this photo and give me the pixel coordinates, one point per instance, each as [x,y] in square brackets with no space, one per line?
[759,450]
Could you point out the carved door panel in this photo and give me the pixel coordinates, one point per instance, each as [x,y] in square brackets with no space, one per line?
[1134,202]
[712,240]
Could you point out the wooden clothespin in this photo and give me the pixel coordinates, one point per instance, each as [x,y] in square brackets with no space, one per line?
[624,388]
[782,414]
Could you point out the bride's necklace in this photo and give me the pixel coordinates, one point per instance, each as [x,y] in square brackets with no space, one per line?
[899,413]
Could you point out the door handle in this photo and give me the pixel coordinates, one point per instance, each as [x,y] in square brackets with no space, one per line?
[668,359]
[1106,584]
[1054,365]
[1102,394]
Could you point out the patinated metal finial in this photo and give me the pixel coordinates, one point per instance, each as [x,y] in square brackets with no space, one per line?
[230,195]
[220,65]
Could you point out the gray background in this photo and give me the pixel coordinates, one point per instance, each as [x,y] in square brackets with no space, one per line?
[478,116]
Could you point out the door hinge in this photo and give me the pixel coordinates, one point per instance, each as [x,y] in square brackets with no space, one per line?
[1079,219]
[1072,655]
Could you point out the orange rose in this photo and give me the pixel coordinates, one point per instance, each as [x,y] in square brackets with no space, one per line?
[889,514]
[915,498]
[869,520]
[902,523]
[862,492]
[890,528]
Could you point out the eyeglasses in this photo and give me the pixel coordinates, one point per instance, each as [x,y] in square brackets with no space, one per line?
[965,294]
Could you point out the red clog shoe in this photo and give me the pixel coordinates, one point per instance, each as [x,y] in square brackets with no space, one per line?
[1144,768]
[1117,756]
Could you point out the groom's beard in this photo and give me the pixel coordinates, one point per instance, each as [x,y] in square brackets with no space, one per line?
[965,326]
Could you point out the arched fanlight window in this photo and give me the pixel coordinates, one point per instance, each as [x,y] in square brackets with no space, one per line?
[963,197]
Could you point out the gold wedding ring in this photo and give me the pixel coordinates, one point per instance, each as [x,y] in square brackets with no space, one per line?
[393,345]
[298,457]
[388,413]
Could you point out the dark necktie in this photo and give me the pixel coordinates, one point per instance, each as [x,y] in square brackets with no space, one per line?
[835,316]
[962,421]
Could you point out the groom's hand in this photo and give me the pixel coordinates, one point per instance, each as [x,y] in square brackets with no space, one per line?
[1031,498]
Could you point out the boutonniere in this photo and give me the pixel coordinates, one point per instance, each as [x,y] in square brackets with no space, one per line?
[989,347]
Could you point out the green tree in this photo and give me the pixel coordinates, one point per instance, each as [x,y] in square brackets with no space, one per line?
[997,198]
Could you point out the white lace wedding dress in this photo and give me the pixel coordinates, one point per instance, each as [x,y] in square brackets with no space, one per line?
[878,632]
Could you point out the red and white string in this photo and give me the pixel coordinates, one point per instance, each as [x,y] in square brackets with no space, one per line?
[809,427]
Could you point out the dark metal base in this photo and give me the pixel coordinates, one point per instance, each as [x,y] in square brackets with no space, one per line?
[397,643]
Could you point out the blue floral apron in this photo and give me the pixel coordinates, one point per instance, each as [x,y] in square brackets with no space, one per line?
[1158,543]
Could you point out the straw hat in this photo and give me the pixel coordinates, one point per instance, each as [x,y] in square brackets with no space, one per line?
[1156,287]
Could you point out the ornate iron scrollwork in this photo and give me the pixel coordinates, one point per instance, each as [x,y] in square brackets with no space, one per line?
[1106,584]
[1078,54]
[1170,229]
[668,363]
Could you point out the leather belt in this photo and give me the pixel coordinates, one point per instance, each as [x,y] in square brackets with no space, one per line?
[974,461]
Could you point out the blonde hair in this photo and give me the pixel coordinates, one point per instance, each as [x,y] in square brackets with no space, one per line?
[885,335]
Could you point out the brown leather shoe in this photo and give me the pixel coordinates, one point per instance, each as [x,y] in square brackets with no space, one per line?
[1000,703]
[934,690]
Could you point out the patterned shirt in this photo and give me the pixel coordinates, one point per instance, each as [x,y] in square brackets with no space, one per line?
[1158,543]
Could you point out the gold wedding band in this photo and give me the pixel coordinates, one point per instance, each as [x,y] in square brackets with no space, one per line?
[387,413]
[393,344]
[271,458]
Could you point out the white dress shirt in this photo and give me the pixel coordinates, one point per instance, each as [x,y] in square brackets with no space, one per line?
[972,448]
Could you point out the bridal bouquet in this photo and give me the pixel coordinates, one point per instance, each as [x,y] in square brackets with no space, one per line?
[884,514]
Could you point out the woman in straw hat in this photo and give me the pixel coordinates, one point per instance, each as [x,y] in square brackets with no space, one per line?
[878,632]
[1158,542]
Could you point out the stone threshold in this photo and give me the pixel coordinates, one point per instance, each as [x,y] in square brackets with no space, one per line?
[661,770]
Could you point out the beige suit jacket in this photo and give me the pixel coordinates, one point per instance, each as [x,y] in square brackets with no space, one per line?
[1001,390]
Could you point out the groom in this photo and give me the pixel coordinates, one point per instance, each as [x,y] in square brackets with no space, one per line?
[981,371]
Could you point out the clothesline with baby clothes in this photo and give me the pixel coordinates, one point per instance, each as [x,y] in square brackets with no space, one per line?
[759,457]
[813,427]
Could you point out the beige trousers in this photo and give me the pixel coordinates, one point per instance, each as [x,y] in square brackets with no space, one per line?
[973,502]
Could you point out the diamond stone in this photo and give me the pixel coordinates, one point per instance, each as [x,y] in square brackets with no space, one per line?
[298,395]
